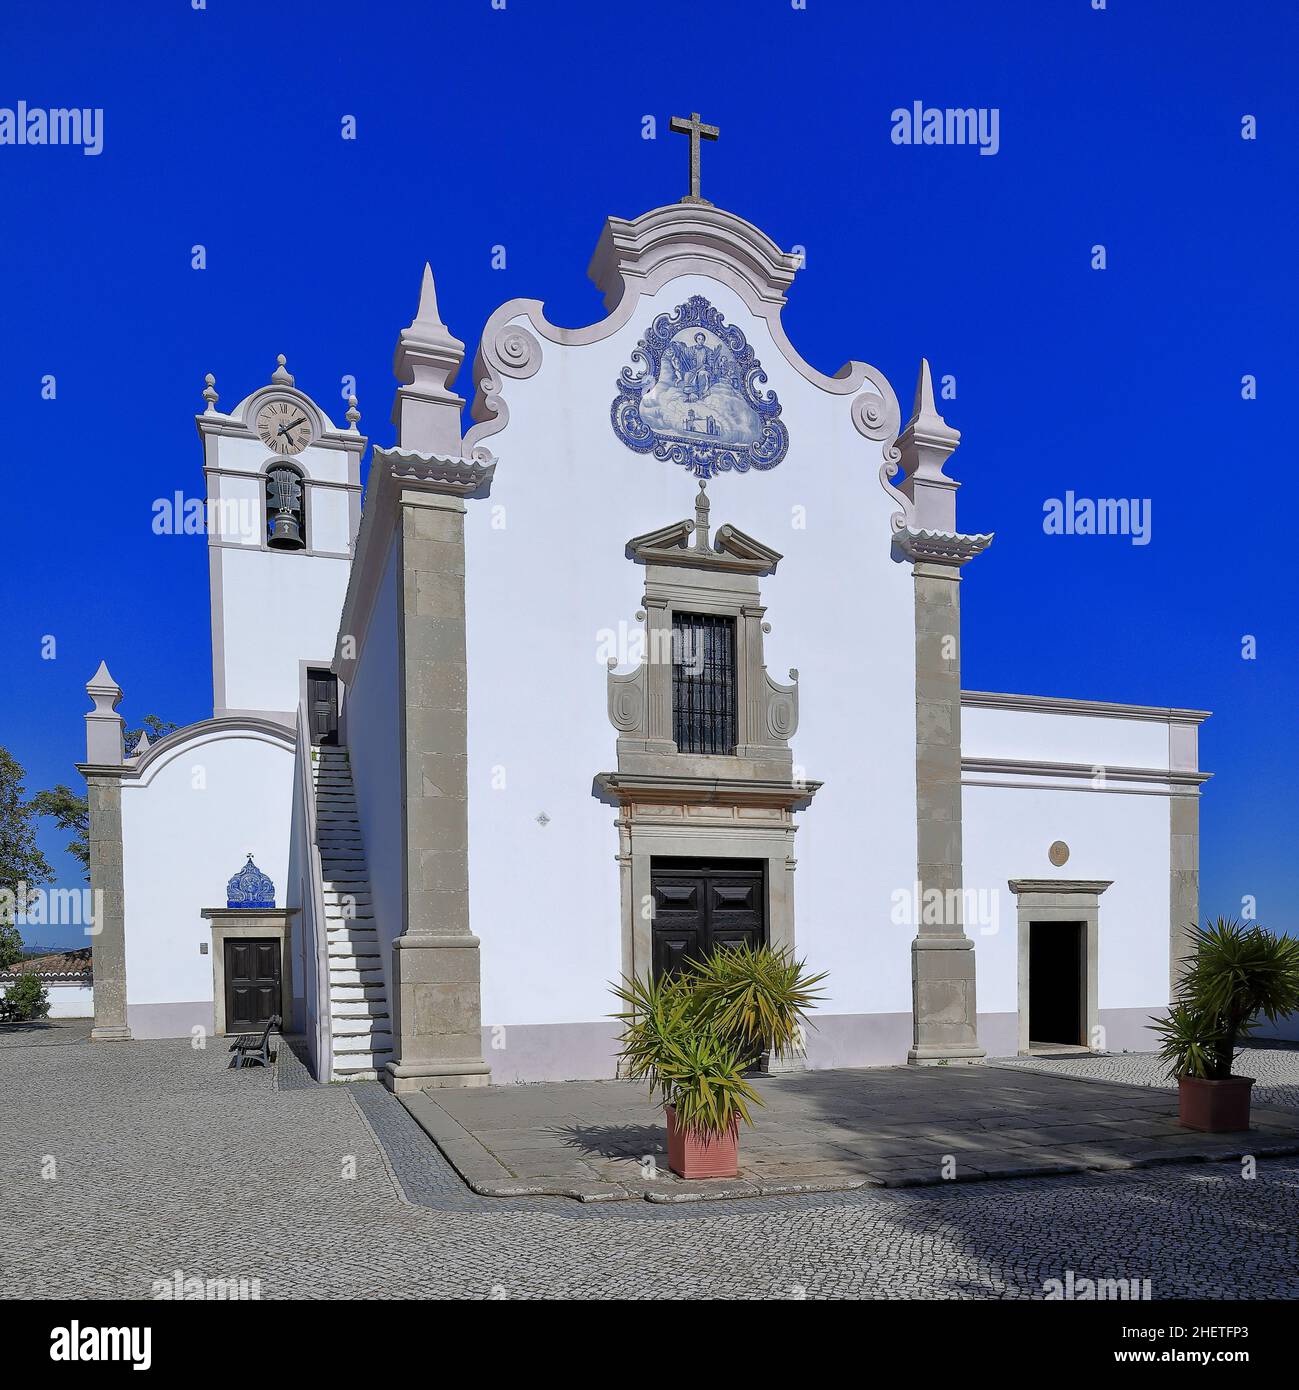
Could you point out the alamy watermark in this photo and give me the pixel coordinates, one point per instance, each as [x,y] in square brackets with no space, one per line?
[54,125]
[52,907]
[1098,516]
[919,124]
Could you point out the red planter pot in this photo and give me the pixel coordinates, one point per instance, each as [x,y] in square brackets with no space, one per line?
[1217,1107]
[694,1155]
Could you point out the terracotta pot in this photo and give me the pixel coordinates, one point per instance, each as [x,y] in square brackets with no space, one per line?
[1217,1107]
[694,1155]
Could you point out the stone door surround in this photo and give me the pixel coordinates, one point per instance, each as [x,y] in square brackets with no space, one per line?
[1060,900]
[233,922]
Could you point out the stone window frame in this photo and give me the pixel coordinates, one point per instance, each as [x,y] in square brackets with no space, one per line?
[1048,900]
[702,805]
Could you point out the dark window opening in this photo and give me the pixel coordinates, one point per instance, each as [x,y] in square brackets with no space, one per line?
[703,683]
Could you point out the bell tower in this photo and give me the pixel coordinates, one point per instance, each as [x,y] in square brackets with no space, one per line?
[283,507]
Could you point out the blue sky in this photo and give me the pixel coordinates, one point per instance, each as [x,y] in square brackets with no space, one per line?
[522,127]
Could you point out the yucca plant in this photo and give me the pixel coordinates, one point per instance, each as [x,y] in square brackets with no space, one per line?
[693,1035]
[1237,974]
[757,997]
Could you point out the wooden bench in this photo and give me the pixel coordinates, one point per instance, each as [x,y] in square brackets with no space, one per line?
[252,1047]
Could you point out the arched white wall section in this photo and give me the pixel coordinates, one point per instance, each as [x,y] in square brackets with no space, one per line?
[199,801]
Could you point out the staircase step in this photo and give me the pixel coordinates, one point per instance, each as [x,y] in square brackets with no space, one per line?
[356,994]
[338,976]
[368,1043]
[360,1025]
[364,1008]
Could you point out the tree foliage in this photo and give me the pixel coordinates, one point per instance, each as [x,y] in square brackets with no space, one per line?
[69,812]
[22,865]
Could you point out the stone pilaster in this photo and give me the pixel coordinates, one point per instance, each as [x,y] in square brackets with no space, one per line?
[1184,883]
[435,962]
[108,943]
[105,759]
[942,956]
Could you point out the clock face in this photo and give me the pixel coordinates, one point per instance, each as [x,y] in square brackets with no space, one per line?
[284,426]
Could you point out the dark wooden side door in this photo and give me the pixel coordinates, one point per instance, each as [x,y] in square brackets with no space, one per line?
[322,705]
[703,903]
[252,982]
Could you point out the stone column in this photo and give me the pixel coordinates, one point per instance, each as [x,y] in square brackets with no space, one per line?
[942,956]
[1184,884]
[105,757]
[435,965]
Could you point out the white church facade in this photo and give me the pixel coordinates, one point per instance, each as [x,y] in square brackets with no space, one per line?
[663,652]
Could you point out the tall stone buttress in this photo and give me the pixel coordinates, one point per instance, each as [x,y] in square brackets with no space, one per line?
[943,1002]
[424,481]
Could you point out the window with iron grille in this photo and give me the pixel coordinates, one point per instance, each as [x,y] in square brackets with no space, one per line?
[703,683]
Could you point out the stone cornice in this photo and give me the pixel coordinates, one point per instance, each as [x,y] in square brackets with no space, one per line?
[625,788]
[456,477]
[940,547]
[1052,704]
[244,914]
[1088,886]
[684,238]
[1089,772]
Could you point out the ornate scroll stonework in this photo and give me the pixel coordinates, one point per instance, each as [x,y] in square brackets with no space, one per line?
[636,258]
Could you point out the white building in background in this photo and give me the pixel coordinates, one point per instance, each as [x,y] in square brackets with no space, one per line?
[663,653]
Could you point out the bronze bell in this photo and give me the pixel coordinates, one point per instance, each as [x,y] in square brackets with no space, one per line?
[286,533]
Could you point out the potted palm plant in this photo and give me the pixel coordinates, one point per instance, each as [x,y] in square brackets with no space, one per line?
[693,1036]
[1236,974]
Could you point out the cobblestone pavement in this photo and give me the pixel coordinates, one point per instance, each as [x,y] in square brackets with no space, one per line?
[47,1032]
[1275,1069]
[123,1163]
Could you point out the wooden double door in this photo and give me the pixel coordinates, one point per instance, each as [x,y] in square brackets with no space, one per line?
[700,904]
[253,988]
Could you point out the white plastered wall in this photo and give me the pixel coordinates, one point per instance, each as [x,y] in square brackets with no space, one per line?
[1114,831]
[547,572]
[273,607]
[187,825]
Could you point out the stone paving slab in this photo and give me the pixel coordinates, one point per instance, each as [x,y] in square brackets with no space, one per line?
[834,1131]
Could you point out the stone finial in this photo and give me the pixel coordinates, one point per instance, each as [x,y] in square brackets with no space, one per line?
[701,517]
[281,376]
[426,411]
[103,723]
[142,744]
[353,414]
[925,445]
[210,394]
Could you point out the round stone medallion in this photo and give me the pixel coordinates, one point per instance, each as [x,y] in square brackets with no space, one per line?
[1058,854]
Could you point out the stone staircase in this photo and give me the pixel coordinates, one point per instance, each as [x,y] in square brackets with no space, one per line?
[360,1025]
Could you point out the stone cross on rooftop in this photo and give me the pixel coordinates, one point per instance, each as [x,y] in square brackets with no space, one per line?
[697,131]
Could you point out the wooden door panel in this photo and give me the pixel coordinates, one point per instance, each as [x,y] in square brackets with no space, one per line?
[253,989]
[702,904]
